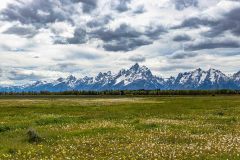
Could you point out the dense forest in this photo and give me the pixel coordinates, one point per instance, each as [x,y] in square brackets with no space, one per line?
[131,92]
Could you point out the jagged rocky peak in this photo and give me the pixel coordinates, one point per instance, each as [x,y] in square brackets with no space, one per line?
[100,74]
[104,75]
[133,74]
[196,74]
[215,75]
[236,76]
[121,72]
[104,78]
[199,76]
[86,80]
[71,78]
[137,69]
[38,83]
[214,71]
[109,73]
[199,70]
[60,79]
[170,79]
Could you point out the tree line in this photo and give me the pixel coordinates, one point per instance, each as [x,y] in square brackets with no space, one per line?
[131,92]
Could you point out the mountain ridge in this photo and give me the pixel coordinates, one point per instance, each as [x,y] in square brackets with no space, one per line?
[135,78]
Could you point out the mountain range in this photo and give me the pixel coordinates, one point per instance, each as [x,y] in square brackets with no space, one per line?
[135,78]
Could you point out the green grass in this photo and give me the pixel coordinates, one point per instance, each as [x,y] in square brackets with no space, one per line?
[181,127]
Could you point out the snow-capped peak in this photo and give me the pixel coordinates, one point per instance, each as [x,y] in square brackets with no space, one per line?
[69,81]
[71,78]
[215,75]
[136,77]
[139,69]
[135,67]
[136,72]
[236,76]
[196,77]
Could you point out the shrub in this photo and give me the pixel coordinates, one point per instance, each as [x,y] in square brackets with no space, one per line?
[12,151]
[220,113]
[4,128]
[33,136]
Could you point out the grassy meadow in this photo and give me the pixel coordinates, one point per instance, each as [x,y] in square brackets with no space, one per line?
[178,127]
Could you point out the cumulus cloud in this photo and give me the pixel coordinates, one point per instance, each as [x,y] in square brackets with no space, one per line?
[230,22]
[79,37]
[88,5]
[127,38]
[123,31]
[35,12]
[196,22]
[25,31]
[125,44]
[182,4]
[181,38]
[99,22]
[212,44]
[121,5]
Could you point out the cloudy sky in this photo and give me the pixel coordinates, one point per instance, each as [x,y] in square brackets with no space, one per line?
[47,39]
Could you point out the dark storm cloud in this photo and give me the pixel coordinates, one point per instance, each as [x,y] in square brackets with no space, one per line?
[80,37]
[42,12]
[230,22]
[99,22]
[181,38]
[123,38]
[195,22]
[122,5]
[154,32]
[137,58]
[125,44]
[126,38]
[182,4]
[212,45]
[17,75]
[88,5]
[21,31]
[123,31]
[36,12]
